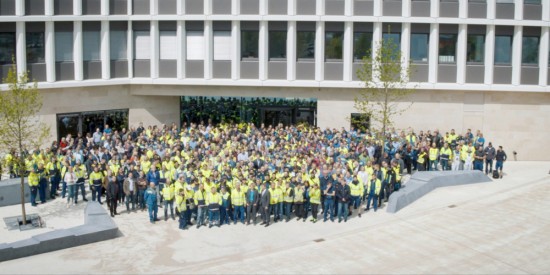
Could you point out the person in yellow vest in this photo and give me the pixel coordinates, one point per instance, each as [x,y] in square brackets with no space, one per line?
[181,207]
[299,192]
[274,199]
[422,160]
[237,201]
[314,200]
[214,201]
[433,155]
[356,191]
[444,156]
[200,201]
[373,189]
[168,194]
[224,207]
[288,197]
[96,183]
[33,179]
[80,174]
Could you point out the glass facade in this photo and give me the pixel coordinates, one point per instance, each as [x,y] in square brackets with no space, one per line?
[503,49]
[7,47]
[447,48]
[419,47]
[92,45]
[249,44]
[333,45]
[277,45]
[530,50]
[118,47]
[362,45]
[35,47]
[475,51]
[305,44]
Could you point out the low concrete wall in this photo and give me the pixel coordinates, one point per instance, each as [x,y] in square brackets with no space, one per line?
[98,226]
[10,192]
[422,183]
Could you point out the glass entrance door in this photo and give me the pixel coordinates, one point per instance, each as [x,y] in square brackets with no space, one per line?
[88,122]
[274,116]
[68,124]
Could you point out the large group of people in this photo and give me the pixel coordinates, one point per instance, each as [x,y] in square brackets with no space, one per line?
[213,175]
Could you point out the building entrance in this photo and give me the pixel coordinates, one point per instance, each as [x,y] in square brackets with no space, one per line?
[87,122]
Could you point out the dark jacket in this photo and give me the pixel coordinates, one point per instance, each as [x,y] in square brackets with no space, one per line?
[112,189]
[256,196]
[265,198]
[343,193]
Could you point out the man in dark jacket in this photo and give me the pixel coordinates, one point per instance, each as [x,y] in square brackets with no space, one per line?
[252,198]
[112,195]
[343,193]
[265,198]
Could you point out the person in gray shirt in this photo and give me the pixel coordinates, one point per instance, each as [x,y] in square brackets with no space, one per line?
[490,154]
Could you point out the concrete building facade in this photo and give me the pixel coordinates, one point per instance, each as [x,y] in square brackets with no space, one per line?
[478,64]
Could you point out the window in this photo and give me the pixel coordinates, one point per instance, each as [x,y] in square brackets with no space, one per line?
[195,45]
[394,37]
[92,45]
[419,47]
[222,45]
[333,45]
[277,45]
[35,47]
[168,45]
[530,50]
[362,43]
[503,49]
[63,46]
[119,41]
[7,47]
[142,45]
[505,1]
[475,51]
[447,48]
[532,2]
[249,44]
[360,121]
[305,44]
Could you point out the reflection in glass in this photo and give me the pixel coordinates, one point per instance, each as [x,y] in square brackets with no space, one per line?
[503,49]
[333,45]
[419,47]
[475,51]
[277,44]
[362,43]
[305,44]
[249,44]
[7,47]
[35,47]
[447,48]
[530,50]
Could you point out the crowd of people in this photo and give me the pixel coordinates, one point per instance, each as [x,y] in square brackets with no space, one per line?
[236,172]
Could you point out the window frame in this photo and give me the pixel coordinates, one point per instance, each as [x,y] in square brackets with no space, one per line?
[29,50]
[482,49]
[339,36]
[298,51]
[536,60]
[427,49]
[509,63]
[439,48]
[257,47]
[12,49]
[355,43]
[271,40]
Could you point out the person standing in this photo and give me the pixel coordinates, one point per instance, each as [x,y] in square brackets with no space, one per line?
[329,202]
[33,185]
[200,201]
[252,202]
[237,201]
[96,182]
[288,199]
[456,161]
[265,198]
[53,169]
[433,155]
[42,183]
[168,194]
[315,200]
[224,207]
[490,154]
[70,179]
[154,176]
[445,156]
[141,188]
[373,188]
[299,194]
[129,188]
[80,182]
[356,192]
[343,194]
[112,193]
[150,198]
[181,208]
[274,199]
[479,157]
[500,158]
[214,201]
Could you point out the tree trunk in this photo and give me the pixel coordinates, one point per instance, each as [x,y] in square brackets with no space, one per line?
[24,213]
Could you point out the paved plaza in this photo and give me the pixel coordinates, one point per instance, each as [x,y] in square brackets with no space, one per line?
[498,227]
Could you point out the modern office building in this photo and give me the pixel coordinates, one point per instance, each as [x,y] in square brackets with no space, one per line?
[479,64]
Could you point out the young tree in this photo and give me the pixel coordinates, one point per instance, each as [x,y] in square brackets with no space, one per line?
[385,76]
[20,127]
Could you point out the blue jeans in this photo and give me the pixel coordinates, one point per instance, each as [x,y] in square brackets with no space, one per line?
[153,211]
[214,216]
[343,211]
[288,210]
[373,197]
[478,165]
[488,166]
[82,190]
[281,207]
[445,164]
[329,207]
[96,193]
[43,185]
[224,215]
[238,211]
[63,189]
[499,165]
[356,201]
[167,204]
[201,215]
[34,192]
[433,165]
[54,183]
[182,220]
[131,198]
[72,193]
[140,198]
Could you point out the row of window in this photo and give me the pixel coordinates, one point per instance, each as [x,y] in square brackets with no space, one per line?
[277,49]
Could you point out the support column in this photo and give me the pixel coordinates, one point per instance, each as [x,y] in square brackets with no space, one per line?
[463,9]
[48,7]
[78,55]
[291,8]
[105,51]
[405,46]
[518,9]
[77,7]
[320,51]
[130,8]
[208,49]
[406,9]
[235,7]
[433,55]
[50,51]
[180,61]
[516,55]
[236,51]
[377,8]
[155,49]
[489,54]
[263,7]
[348,51]
[263,50]
[153,7]
[545,10]
[461,45]
[207,7]
[434,8]
[130,49]
[21,45]
[319,7]
[491,9]
[19,7]
[543,56]
[291,51]
[105,7]
[376,42]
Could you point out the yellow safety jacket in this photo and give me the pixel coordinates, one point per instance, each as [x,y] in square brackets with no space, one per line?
[433,153]
[96,178]
[288,198]
[298,195]
[377,186]
[168,192]
[181,205]
[237,197]
[214,199]
[356,190]
[274,199]
[315,196]
[421,157]
[33,179]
